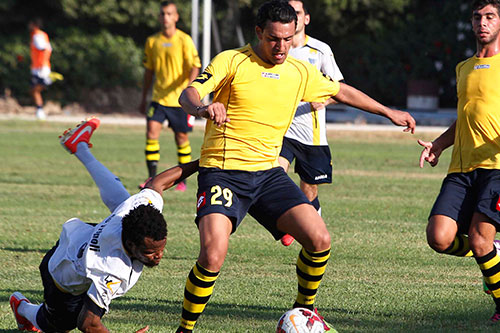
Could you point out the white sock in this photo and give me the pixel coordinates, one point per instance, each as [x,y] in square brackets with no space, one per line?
[112,191]
[29,311]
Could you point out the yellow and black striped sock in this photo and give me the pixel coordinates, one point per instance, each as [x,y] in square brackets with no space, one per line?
[199,287]
[310,269]
[152,155]
[184,153]
[490,267]
[459,247]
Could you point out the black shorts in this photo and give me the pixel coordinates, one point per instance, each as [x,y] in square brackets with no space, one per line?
[37,80]
[265,195]
[312,163]
[463,194]
[60,309]
[178,120]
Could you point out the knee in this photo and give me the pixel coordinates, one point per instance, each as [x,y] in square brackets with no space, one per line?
[438,240]
[321,242]
[479,245]
[211,261]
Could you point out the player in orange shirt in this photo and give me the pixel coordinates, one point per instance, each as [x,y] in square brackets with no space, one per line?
[40,64]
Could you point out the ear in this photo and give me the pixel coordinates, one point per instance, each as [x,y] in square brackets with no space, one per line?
[307,19]
[259,32]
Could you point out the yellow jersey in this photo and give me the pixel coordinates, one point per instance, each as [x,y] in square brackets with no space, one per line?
[172,60]
[260,100]
[477,133]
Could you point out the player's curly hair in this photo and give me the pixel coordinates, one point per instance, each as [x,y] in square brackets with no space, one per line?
[143,221]
[480,4]
[275,11]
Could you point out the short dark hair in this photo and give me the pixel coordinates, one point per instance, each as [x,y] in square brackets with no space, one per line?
[275,11]
[166,3]
[480,4]
[37,21]
[304,5]
[143,221]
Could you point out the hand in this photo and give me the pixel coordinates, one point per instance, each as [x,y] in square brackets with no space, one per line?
[215,112]
[142,330]
[317,106]
[402,118]
[430,153]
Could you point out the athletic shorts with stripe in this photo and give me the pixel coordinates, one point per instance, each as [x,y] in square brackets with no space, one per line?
[178,120]
[265,195]
[463,194]
[313,164]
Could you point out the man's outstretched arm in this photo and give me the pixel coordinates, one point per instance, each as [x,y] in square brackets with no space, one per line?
[172,176]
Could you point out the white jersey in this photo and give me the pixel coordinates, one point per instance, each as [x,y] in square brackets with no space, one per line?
[93,260]
[308,126]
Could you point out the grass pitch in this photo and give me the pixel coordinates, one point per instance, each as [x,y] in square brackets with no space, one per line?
[382,276]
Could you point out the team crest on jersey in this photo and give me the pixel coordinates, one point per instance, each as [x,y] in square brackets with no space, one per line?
[202,199]
[203,77]
[312,61]
[270,75]
[482,66]
[112,283]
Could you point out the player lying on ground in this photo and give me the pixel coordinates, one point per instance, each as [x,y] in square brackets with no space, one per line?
[92,264]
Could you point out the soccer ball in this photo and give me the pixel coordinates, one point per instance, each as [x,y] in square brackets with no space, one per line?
[300,320]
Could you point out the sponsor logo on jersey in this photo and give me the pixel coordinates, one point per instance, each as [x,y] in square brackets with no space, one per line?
[202,199]
[94,242]
[270,75]
[320,177]
[481,66]
[203,77]
[312,61]
[166,44]
[111,283]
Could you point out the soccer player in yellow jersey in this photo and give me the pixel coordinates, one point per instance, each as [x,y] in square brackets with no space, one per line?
[171,58]
[466,215]
[256,92]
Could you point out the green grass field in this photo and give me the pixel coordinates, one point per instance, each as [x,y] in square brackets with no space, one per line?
[382,277]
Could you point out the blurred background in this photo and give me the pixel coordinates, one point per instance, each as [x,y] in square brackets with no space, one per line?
[401,52]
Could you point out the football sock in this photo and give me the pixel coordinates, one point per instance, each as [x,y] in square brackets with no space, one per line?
[310,269]
[184,153]
[490,267]
[199,287]
[29,311]
[459,247]
[111,189]
[152,155]
[316,205]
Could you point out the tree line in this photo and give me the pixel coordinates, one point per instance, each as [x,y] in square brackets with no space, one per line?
[380,45]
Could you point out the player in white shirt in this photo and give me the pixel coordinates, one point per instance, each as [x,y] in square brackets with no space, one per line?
[305,141]
[90,265]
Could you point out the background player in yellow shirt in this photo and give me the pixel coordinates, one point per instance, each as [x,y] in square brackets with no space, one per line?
[466,215]
[256,92]
[171,58]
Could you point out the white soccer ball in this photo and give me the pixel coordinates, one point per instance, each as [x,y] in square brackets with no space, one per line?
[300,320]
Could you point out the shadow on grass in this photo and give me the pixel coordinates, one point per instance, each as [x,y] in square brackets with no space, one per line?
[26,250]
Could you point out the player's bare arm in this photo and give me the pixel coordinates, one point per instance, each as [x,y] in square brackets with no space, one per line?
[148,81]
[172,176]
[432,150]
[190,102]
[353,97]
[90,322]
[194,73]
